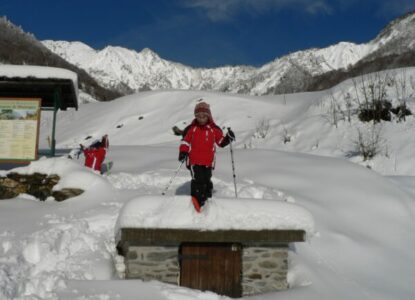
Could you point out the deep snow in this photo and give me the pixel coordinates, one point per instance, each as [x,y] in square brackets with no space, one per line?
[218,214]
[363,240]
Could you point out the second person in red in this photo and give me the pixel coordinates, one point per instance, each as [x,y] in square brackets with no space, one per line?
[94,156]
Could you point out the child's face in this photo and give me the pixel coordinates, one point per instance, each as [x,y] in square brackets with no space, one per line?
[202,119]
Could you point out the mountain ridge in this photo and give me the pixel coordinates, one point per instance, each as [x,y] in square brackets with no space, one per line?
[146,70]
[115,71]
[299,71]
[20,48]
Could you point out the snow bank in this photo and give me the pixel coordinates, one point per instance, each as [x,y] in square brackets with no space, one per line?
[218,214]
[71,173]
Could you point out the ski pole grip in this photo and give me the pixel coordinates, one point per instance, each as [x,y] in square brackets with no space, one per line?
[232,139]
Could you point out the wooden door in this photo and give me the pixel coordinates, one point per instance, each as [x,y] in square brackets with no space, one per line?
[212,266]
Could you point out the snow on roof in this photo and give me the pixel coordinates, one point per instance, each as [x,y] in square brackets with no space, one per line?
[39,72]
[218,214]
[23,71]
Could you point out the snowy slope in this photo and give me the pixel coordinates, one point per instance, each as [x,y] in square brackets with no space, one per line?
[398,36]
[363,220]
[67,251]
[305,119]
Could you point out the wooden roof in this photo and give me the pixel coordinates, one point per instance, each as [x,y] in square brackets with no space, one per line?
[43,88]
[174,237]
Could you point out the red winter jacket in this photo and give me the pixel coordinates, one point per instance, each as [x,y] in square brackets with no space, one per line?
[200,141]
[94,157]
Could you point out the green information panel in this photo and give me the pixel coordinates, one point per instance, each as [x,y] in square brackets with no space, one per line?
[19,129]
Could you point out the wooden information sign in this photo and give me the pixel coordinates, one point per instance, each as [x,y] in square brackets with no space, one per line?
[19,129]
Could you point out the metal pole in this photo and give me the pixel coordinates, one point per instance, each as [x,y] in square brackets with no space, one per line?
[53,142]
[56,105]
[233,170]
[171,180]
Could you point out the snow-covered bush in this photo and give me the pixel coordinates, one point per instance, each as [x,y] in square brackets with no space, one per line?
[371,97]
[262,128]
[334,112]
[286,136]
[368,141]
[401,112]
[403,93]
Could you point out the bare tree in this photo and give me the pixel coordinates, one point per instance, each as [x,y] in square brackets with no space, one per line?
[369,141]
[334,112]
[262,128]
[348,102]
[286,136]
[371,97]
[412,82]
[402,89]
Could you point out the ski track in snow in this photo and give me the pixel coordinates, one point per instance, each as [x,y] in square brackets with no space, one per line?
[155,182]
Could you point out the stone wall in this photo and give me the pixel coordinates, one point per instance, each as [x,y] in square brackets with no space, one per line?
[37,184]
[264,269]
[153,263]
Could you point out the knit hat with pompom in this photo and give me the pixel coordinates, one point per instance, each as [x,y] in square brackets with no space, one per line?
[203,108]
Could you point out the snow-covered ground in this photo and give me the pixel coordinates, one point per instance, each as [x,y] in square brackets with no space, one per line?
[363,234]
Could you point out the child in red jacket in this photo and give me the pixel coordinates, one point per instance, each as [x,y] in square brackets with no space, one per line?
[94,156]
[198,147]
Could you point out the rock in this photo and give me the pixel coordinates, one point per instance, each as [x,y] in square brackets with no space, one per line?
[38,185]
[14,176]
[66,193]
[52,179]
[39,191]
[6,193]
[10,188]
[8,183]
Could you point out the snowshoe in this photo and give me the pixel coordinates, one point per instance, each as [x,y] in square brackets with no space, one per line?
[196,204]
[106,167]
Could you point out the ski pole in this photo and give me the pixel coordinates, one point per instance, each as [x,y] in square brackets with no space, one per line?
[233,167]
[171,179]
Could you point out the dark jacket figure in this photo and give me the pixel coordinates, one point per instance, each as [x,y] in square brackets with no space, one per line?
[105,142]
[198,148]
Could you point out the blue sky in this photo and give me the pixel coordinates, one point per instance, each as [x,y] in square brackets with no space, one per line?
[207,33]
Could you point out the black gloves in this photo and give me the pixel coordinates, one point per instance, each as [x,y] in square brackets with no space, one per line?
[183,156]
[230,135]
[229,138]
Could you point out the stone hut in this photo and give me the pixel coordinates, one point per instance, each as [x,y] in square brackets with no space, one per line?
[209,251]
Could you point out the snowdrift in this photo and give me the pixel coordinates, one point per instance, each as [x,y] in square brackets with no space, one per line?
[219,213]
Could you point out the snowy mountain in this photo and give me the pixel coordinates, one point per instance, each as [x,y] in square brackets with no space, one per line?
[397,37]
[20,48]
[145,70]
[119,68]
